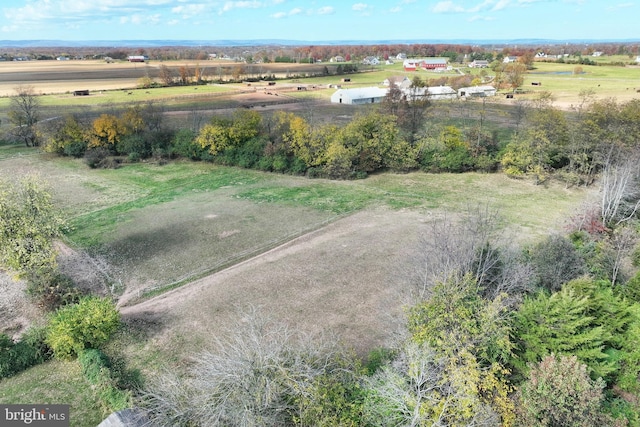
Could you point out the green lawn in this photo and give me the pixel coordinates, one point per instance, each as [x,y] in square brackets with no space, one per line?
[55,382]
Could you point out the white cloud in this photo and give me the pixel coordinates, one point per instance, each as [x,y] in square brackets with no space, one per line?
[359,7]
[189,10]
[395,9]
[292,12]
[326,10]
[500,4]
[620,6]
[480,18]
[230,5]
[447,7]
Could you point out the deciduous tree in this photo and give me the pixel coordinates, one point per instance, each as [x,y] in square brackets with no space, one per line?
[29,223]
[24,114]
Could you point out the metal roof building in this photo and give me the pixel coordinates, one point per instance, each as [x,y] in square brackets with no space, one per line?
[361,95]
[465,92]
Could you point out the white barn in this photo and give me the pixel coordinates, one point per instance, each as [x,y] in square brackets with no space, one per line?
[476,91]
[433,93]
[360,95]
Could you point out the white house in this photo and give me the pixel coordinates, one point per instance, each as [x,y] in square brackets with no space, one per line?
[638,59]
[371,60]
[400,81]
[509,59]
[337,58]
[433,93]
[479,63]
[476,91]
[360,95]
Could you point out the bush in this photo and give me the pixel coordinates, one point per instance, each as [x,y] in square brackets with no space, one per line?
[555,261]
[96,368]
[95,157]
[15,357]
[51,289]
[87,324]
[75,149]
[560,393]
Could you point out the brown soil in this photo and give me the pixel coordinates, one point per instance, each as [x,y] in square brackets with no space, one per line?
[347,279]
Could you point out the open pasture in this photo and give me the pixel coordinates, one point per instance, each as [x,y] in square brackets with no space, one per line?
[159,227]
[606,81]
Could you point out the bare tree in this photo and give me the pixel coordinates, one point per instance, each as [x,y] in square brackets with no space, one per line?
[166,75]
[24,114]
[471,244]
[254,377]
[620,190]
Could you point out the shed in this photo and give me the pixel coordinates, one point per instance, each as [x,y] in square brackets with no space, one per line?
[476,91]
[361,95]
[83,92]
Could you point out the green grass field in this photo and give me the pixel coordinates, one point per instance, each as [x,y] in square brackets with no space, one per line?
[158,227]
[55,382]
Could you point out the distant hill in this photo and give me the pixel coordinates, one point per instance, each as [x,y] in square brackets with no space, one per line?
[276,42]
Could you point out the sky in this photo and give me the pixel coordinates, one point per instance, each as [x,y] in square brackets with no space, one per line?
[319,20]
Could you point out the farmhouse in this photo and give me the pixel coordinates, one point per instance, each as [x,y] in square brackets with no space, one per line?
[361,95]
[400,81]
[476,91]
[509,59]
[371,60]
[479,63]
[337,58]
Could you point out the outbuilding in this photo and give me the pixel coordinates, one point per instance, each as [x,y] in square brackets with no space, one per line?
[476,91]
[360,95]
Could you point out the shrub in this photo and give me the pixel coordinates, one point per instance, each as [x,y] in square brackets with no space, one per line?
[96,368]
[184,145]
[555,261]
[87,324]
[75,149]
[95,156]
[560,393]
[51,289]
[15,357]
[133,143]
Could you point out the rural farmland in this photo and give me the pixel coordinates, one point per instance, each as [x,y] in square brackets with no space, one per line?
[182,237]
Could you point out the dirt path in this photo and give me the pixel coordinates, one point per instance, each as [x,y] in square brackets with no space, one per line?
[345,278]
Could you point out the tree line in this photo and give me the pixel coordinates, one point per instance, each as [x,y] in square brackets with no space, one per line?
[540,141]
